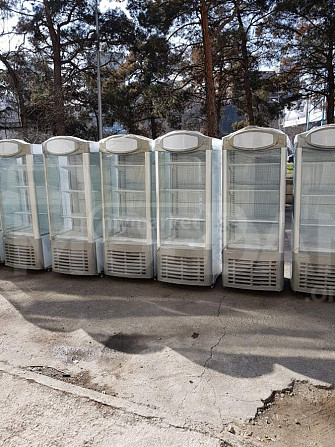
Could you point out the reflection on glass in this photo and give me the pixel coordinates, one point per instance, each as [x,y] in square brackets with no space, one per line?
[16,206]
[182,198]
[253,199]
[317,212]
[124,197]
[67,200]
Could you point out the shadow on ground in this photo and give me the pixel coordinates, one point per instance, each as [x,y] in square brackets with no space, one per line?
[242,333]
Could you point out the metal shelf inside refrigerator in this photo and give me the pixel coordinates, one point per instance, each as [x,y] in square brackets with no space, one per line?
[183,243]
[258,235]
[73,191]
[186,219]
[186,163]
[126,191]
[126,219]
[326,194]
[71,235]
[74,216]
[28,231]
[131,165]
[267,157]
[254,221]
[253,204]
[317,238]
[126,229]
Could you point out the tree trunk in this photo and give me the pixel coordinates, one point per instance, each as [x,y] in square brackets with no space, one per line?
[59,111]
[153,125]
[19,92]
[212,121]
[245,71]
[58,91]
[330,86]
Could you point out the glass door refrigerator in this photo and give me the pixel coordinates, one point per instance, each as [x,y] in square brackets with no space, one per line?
[74,203]
[313,257]
[25,227]
[254,189]
[2,259]
[189,194]
[127,164]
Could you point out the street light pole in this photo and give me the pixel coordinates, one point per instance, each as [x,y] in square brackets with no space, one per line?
[98,69]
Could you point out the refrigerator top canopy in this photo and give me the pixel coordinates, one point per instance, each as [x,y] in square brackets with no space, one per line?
[124,144]
[320,137]
[14,148]
[65,146]
[256,138]
[183,141]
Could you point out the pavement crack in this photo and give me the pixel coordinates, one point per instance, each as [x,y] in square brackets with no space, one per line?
[220,304]
[207,362]
[210,357]
[212,348]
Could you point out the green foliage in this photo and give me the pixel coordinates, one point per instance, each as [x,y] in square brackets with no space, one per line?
[153,63]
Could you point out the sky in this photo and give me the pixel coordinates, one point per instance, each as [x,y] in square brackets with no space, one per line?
[9,43]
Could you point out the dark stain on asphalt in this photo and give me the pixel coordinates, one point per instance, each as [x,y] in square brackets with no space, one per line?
[127,343]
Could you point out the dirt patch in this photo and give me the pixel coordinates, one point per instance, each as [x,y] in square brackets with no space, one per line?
[82,379]
[303,415]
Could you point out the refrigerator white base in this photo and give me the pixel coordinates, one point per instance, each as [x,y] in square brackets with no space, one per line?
[76,257]
[253,270]
[25,252]
[313,273]
[129,260]
[185,266]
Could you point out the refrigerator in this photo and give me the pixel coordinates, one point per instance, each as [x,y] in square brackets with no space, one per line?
[313,251]
[24,218]
[189,201]
[2,259]
[74,204]
[128,191]
[254,189]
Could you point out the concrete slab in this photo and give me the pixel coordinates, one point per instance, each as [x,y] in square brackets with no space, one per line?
[196,357]
[36,415]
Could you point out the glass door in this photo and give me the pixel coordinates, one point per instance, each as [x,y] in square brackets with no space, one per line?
[67,198]
[41,194]
[253,199]
[317,208]
[182,198]
[124,184]
[16,204]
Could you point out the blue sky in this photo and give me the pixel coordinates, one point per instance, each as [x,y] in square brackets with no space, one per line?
[9,43]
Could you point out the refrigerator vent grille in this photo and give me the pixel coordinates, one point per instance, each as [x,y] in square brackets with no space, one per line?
[183,268]
[126,263]
[251,273]
[317,276]
[19,255]
[67,260]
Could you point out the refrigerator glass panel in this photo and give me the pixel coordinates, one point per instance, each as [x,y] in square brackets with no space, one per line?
[253,199]
[125,197]
[41,194]
[96,194]
[317,207]
[182,195]
[16,205]
[67,201]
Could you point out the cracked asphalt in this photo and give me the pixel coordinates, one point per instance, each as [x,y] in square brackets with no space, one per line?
[146,379]
[103,361]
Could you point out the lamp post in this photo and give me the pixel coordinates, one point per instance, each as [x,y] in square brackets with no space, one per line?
[98,70]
